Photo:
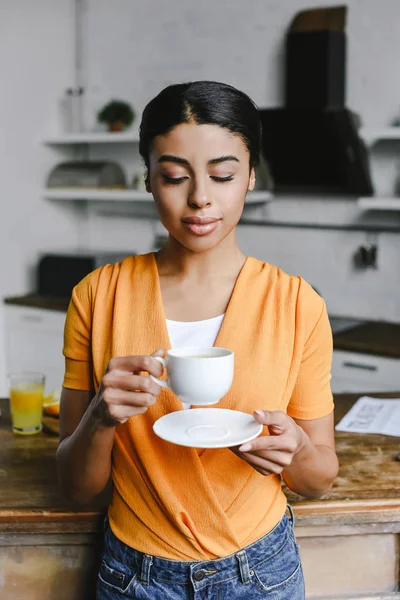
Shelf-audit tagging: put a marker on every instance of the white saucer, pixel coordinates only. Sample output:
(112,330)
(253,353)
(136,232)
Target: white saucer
(207,427)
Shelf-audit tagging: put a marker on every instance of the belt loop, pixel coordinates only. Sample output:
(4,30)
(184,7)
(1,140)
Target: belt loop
(146,566)
(243,566)
(292,519)
(105,524)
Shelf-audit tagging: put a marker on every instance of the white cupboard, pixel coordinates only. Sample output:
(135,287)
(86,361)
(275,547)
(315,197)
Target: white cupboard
(34,341)
(357,372)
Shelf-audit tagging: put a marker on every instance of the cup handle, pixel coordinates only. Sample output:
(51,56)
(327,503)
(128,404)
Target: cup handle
(160,382)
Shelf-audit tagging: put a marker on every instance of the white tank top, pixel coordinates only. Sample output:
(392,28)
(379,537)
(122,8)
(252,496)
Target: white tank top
(194,333)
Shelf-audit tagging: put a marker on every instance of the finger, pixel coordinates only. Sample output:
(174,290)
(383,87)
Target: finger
(160,352)
(265,465)
(281,458)
(130,383)
(276,419)
(136,364)
(112,396)
(284,443)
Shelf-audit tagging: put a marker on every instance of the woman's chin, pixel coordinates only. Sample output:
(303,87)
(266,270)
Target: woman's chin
(203,243)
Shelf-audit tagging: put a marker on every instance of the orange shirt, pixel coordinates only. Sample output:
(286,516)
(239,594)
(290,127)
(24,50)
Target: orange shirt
(183,503)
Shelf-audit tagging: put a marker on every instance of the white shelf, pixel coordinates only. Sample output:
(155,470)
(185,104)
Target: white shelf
(259,197)
(95,194)
(96,137)
(371,203)
(373,135)
(370,135)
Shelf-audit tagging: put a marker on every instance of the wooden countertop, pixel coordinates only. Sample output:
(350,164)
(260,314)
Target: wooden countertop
(36,301)
(30,499)
(366,490)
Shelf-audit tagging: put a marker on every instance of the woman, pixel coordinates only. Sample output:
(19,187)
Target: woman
(183,522)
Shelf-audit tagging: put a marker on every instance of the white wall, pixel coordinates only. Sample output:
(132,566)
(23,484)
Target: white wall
(133,50)
(36,64)
(325,259)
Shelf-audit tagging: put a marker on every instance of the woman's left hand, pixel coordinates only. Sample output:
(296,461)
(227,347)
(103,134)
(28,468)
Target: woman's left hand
(274,452)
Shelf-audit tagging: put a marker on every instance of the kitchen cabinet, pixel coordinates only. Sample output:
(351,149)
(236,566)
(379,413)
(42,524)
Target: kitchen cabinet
(34,341)
(355,371)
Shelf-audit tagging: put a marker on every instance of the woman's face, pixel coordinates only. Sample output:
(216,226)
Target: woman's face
(199,176)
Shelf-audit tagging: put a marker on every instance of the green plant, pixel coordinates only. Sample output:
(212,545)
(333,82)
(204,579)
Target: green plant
(117,111)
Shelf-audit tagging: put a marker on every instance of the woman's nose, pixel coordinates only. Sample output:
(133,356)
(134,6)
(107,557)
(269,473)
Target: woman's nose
(199,196)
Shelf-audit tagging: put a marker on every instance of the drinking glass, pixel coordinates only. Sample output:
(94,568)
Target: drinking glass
(26,401)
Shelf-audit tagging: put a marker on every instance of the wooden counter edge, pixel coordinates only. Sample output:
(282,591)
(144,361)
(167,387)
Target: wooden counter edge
(302,507)
(307,514)
(42,521)
(26,516)
(328,507)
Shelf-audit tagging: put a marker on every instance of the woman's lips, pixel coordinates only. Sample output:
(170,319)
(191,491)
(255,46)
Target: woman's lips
(200,225)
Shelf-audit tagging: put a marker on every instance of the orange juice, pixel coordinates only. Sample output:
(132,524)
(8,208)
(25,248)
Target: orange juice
(26,402)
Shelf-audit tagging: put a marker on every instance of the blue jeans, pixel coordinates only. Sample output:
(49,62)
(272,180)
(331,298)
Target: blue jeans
(269,568)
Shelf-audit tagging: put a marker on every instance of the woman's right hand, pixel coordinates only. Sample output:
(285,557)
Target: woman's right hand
(124,392)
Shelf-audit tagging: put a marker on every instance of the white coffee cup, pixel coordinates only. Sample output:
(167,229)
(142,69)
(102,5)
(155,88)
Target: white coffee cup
(198,376)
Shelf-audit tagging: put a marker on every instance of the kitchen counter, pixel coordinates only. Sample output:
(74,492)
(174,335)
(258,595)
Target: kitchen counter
(36,301)
(367,337)
(356,526)
(30,490)
(371,337)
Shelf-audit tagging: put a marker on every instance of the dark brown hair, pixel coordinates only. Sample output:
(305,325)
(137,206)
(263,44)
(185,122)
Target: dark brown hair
(204,102)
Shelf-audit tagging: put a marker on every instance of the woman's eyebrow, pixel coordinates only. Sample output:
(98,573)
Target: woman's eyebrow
(182,161)
(220,159)
(175,159)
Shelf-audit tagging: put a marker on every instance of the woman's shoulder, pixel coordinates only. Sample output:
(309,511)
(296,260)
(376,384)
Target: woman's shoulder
(273,276)
(105,279)
(293,290)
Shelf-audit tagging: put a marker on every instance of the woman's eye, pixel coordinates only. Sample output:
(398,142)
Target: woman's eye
(175,180)
(221,179)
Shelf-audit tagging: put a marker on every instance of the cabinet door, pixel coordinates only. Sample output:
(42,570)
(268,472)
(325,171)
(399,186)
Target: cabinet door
(35,341)
(355,386)
(353,372)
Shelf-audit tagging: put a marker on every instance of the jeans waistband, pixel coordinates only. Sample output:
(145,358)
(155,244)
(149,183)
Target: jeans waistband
(241,562)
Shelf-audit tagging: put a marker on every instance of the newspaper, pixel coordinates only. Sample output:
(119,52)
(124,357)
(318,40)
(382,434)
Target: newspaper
(372,415)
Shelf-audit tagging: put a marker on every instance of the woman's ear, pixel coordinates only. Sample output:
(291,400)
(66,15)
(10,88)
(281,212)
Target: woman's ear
(147,182)
(252,179)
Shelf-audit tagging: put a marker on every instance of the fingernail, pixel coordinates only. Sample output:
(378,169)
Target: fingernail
(245,448)
(259,413)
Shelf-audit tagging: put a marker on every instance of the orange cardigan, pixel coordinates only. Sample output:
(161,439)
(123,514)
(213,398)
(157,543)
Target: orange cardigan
(182,503)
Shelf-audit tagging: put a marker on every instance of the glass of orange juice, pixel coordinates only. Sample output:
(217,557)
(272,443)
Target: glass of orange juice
(26,401)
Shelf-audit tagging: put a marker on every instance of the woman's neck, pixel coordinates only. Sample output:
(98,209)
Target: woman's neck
(175,259)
